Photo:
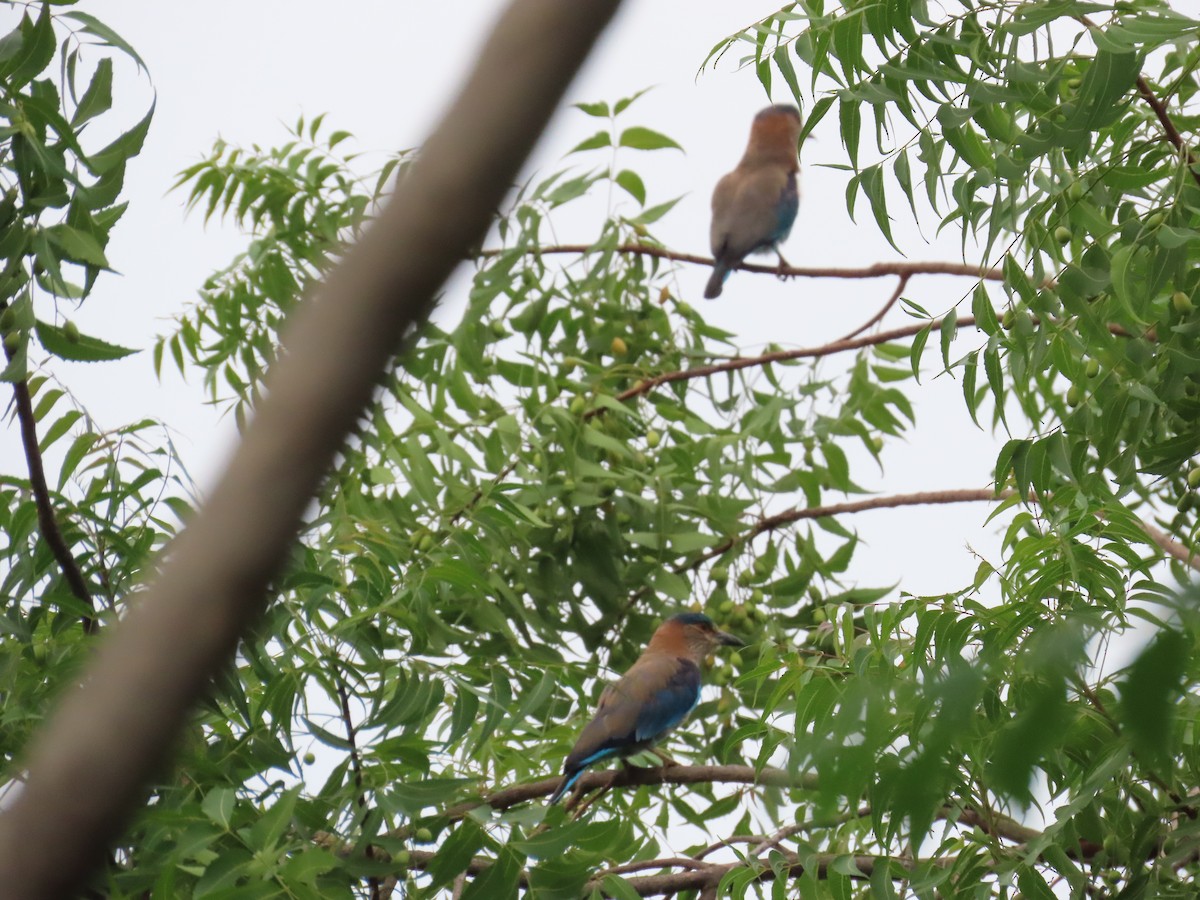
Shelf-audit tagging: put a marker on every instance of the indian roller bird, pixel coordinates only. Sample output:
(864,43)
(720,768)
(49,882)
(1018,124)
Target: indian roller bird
(754,206)
(649,700)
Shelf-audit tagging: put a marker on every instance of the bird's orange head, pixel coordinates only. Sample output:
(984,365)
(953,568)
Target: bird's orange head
(774,137)
(692,636)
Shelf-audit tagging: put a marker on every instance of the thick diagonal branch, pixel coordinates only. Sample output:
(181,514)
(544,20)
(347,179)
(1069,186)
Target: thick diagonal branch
(88,767)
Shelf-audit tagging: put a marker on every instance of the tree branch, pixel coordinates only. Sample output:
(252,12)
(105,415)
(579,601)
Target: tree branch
(796,514)
(746,362)
(1160,111)
(1172,547)
(356,765)
(877,270)
(47,522)
(636,776)
(89,763)
(704,876)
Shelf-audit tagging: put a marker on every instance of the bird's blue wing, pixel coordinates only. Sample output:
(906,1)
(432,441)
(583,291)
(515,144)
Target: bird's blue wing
(789,205)
(651,699)
(667,705)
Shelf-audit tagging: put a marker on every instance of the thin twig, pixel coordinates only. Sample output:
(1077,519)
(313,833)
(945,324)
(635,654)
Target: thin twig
(900,286)
(356,765)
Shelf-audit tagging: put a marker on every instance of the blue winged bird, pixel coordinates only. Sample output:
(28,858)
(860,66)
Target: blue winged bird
(649,700)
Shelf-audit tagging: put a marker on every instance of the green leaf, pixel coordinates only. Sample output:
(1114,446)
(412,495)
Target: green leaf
(1149,695)
(60,427)
(596,110)
(639,138)
(124,148)
(97,98)
(77,246)
(851,125)
(36,50)
(632,183)
(949,329)
(218,805)
(618,888)
(499,880)
(75,347)
(456,852)
(872,184)
(595,142)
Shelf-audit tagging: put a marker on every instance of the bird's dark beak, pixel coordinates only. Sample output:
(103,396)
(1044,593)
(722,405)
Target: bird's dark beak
(725,639)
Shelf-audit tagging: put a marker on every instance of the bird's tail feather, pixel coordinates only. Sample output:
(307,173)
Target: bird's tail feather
(716,281)
(563,786)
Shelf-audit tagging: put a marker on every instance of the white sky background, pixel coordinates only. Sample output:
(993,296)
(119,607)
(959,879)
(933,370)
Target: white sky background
(384,71)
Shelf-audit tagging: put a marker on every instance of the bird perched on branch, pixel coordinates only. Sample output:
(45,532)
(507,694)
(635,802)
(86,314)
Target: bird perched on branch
(754,206)
(649,700)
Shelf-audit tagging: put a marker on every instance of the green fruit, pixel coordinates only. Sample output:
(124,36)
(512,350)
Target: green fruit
(653,438)
(498,329)
(402,857)
(744,578)
(756,597)
(71,332)
(1093,368)
(735,659)
(1186,502)
(1182,302)
(876,443)
(726,608)
(1010,317)
(8,319)
(618,347)
(12,342)
(819,615)
(1074,396)
(720,573)
(1075,191)
(310,758)
(1193,478)
(1154,220)
(577,405)
(423,836)
(1062,234)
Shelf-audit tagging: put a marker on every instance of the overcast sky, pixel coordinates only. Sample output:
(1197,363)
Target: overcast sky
(384,71)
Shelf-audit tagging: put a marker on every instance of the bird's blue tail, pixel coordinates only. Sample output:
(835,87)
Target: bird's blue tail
(565,785)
